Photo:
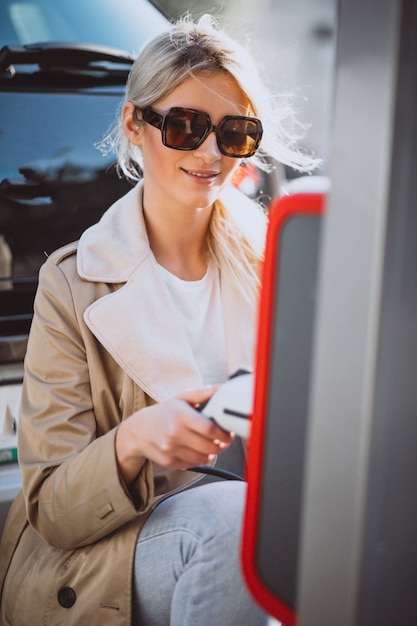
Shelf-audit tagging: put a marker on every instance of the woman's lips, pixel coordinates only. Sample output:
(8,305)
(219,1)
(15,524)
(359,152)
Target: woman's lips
(202,176)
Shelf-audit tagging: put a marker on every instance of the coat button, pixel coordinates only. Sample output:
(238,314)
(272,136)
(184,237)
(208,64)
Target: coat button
(66,597)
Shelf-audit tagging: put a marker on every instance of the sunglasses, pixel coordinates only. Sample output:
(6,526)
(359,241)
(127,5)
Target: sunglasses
(186,129)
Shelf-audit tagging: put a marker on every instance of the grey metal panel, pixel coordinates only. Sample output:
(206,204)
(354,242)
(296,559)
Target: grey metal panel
(388,578)
(348,313)
(286,405)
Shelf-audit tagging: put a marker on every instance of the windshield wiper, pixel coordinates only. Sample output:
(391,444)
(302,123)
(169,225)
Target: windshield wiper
(52,56)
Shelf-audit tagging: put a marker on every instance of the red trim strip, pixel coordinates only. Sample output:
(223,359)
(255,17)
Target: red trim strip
(281,211)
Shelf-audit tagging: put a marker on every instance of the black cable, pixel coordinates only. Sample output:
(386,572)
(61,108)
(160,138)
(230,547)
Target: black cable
(213,471)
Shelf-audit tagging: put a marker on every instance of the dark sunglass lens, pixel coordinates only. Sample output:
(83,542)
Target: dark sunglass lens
(240,137)
(184,128)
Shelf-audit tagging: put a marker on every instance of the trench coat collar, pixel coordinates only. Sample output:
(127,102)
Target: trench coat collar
(137,322)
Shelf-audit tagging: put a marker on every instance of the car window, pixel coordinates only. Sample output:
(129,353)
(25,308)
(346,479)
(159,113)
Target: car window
(124,24)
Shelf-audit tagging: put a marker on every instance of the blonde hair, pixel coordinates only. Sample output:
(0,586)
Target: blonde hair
(236,242)
(187,49)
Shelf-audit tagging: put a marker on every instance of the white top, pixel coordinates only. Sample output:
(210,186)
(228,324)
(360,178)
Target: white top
(199,305)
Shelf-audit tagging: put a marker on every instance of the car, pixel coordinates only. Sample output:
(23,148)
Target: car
(63,67)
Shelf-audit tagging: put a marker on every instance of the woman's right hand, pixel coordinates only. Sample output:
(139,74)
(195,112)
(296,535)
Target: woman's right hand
(172,433)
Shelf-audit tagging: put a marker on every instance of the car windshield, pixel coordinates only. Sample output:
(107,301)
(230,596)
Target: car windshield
(124,24)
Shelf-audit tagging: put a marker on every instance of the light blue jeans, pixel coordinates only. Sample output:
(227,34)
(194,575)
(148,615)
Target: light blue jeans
(187,566)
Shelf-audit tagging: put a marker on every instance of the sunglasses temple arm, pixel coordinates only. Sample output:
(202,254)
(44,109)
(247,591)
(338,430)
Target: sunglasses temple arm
(152,117)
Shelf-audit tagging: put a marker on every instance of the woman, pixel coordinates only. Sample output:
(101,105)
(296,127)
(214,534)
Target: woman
(134,327)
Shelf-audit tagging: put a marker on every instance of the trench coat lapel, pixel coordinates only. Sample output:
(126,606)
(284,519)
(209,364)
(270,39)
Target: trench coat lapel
(138,323)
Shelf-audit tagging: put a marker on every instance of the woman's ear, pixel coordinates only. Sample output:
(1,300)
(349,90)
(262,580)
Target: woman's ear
(132,123)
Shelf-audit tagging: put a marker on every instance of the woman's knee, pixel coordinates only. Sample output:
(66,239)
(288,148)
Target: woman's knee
(222,505)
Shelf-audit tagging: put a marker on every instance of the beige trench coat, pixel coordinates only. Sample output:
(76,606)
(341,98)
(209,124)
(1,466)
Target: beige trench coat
(105,341)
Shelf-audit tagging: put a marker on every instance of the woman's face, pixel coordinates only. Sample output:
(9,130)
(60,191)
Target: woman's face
(191,180)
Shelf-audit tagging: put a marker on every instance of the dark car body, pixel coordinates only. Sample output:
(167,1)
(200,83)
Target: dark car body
(63,67)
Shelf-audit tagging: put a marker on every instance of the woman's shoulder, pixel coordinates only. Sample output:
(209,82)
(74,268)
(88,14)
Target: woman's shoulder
(59,278)
(62,253)
(60,262)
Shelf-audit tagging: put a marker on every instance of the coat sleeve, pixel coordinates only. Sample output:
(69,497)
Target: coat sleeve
(72,489)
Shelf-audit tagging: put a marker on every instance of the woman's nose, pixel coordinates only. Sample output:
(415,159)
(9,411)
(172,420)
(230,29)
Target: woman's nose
(209,150)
